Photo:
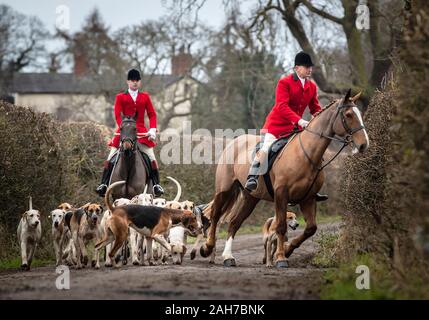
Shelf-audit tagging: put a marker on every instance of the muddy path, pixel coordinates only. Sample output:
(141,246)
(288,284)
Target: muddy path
(195,279)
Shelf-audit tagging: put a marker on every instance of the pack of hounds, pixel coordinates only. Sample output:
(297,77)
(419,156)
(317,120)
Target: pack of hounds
(146,229)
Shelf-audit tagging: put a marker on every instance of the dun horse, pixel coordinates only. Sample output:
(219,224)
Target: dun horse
(296,177)
(130,165)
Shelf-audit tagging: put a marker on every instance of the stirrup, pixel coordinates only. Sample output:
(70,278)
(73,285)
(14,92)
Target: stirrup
(251,183)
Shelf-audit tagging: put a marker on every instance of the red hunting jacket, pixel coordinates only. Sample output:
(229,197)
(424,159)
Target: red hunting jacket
(291,101)
(125,104)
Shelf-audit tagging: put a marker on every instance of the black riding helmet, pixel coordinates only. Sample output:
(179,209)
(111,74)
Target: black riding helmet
(133,74)
(303,59)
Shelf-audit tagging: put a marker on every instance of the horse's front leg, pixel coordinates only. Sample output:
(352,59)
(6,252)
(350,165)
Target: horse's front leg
(219,202)
(308,209)
(281,202)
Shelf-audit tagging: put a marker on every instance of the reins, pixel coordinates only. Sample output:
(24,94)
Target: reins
(345,141)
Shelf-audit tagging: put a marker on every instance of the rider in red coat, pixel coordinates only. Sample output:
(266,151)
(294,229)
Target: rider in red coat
(293,94)
(129,103)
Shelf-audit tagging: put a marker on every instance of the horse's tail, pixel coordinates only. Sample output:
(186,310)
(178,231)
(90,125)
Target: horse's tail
(179,188)
(228,213)
(109,191)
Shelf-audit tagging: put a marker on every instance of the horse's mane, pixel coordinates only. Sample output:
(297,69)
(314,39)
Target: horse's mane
(316,115)
(330,104)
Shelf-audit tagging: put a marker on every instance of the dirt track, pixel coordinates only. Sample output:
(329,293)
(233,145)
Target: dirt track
(192,280)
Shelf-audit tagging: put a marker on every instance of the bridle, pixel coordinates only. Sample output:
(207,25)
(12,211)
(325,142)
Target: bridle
(350,131)
(128,139)
(345,141)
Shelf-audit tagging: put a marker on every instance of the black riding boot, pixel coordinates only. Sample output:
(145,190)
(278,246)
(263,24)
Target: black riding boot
(252,178)
(102,188)
(157,189)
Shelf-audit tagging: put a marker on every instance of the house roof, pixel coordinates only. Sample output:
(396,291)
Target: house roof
(70,83)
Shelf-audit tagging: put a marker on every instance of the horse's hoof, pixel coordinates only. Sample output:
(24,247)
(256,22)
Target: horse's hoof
(229,262)
(204,251)
(108,265)
(25,267)
(136,263)
(193,254)
(124,262)
(282,264)
(93,263)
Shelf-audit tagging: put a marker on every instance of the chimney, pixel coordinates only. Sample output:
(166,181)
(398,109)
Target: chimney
(181,63)
(80,63)
(80,58)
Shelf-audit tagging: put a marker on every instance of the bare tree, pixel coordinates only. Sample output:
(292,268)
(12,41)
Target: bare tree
(146,46)
(21,44)
(94,47)
(241,72)
(367,52)
(150,46)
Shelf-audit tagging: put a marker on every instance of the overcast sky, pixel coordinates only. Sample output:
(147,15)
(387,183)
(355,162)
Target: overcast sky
(115,13)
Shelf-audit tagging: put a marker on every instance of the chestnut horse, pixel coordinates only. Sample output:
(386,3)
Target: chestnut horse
(296,175)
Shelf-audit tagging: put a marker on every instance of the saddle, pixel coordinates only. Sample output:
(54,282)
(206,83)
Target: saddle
(273,153)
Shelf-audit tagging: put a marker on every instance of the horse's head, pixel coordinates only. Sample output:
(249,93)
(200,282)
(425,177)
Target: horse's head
(128,132)
(349,122)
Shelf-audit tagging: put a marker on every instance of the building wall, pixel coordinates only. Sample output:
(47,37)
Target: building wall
(84,107)
(76,107)
(178,95)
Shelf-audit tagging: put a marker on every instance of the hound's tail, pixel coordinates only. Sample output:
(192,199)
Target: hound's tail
(267,225)
(179,188)
(109,191)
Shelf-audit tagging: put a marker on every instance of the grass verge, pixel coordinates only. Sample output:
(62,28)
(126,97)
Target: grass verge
(15,263)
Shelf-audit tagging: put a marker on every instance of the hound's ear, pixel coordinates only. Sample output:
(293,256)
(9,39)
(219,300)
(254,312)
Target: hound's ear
(85,207)
(24,214)
(356,97)
(348,94)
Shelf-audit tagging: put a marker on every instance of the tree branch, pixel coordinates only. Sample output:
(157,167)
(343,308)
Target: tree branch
(320,12)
